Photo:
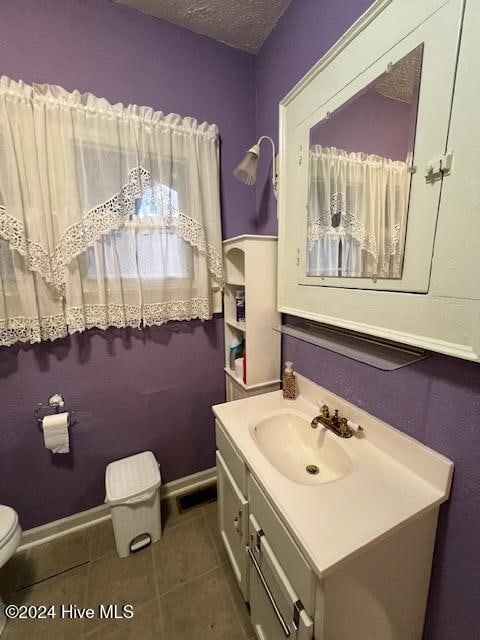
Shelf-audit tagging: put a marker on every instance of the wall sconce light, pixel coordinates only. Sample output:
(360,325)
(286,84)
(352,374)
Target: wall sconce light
(246,171)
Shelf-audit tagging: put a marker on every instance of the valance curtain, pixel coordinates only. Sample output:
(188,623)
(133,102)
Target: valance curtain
(109,215)
(357,214)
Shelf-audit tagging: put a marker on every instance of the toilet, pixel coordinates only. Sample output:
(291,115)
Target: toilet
(10,535)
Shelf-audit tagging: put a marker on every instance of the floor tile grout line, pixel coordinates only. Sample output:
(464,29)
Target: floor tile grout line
(54,575)
(179,523)
(212,540)
(22,572)
(188,582)
(87,583)
(229,595)
(226,566)
(168,623)
(202,518)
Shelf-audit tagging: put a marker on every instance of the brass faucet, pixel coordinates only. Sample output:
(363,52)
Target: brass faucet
(334,423)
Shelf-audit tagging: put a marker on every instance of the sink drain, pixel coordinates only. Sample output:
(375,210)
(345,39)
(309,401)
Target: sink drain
(312,469)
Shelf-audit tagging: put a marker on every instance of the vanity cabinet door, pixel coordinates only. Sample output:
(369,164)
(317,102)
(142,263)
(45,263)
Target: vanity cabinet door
(364,130)
(233,523)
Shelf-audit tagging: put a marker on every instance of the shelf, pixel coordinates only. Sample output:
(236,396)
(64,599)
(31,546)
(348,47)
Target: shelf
(232,375)
(248,387)
(245,258)
(234,259)
(249,236)
(240,326)
(367,349)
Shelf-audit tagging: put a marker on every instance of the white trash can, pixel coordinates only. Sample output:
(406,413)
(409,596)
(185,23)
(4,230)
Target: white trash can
(133,492)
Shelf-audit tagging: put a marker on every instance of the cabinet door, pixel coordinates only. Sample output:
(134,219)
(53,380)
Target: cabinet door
(440,249)
(332,92)
(233,523)
(276,611)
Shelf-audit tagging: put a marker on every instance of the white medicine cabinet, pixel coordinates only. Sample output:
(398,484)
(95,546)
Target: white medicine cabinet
(380,190)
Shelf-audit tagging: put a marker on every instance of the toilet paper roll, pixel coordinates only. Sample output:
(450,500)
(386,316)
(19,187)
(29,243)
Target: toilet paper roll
(55,432)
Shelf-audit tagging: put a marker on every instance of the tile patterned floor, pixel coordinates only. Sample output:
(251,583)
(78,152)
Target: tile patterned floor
(181,588)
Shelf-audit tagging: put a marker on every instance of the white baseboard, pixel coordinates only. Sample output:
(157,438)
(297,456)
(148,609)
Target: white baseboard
(189,483)
(58,528)
(84,519)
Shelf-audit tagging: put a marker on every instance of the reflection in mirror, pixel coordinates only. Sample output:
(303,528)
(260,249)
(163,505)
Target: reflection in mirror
(360,169)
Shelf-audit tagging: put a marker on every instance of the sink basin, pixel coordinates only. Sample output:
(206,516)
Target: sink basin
(302,454)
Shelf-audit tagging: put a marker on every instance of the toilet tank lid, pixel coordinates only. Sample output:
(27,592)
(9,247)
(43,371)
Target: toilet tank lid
(132,477)
(8,521)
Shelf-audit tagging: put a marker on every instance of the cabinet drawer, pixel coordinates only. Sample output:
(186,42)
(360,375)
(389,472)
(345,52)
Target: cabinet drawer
(283,546)
(276,610)
(232,458)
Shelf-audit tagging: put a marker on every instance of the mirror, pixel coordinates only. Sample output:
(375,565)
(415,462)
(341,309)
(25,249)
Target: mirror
(360,168)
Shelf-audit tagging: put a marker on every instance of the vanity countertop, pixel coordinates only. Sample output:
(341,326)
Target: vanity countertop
(396,478)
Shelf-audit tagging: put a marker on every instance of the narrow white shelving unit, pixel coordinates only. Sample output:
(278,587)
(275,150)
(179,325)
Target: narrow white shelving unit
(251,267)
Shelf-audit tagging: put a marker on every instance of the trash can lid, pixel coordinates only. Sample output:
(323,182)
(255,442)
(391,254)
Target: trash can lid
(130,477)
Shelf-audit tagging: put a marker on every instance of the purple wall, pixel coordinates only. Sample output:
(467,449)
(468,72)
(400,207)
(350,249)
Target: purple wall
(126,56)
(304,33)
(372,124)
(131,390)
(153,389)
(436,401)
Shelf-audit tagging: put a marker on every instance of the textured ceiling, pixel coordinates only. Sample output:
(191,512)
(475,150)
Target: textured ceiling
(402,81)
(244,25)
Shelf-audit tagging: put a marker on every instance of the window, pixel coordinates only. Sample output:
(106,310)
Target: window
(130,233)
(146,245)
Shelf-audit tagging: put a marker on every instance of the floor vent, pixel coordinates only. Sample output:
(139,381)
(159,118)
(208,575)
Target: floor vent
(195,499)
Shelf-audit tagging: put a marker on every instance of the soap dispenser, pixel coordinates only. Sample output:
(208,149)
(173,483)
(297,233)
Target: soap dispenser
(289,385)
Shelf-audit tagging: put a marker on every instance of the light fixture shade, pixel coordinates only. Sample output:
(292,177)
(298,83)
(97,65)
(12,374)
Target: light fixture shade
(246,171)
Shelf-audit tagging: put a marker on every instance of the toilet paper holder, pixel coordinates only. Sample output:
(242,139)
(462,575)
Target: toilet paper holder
(55,402)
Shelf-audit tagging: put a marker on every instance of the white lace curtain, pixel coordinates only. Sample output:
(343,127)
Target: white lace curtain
(109,215)
(357,214)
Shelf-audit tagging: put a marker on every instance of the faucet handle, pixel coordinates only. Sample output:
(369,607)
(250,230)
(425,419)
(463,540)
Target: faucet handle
(324,410)
(344,428)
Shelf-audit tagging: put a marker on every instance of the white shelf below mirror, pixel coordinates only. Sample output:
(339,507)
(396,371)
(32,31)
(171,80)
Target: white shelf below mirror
(377,353)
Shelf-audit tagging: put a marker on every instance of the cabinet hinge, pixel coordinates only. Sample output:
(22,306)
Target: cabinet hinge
(298,257)
(439,167)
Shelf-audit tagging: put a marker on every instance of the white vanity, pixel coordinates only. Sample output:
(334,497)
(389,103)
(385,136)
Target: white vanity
(343,552)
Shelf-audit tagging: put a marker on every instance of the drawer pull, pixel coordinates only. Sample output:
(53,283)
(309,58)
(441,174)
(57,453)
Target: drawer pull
(278,613)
